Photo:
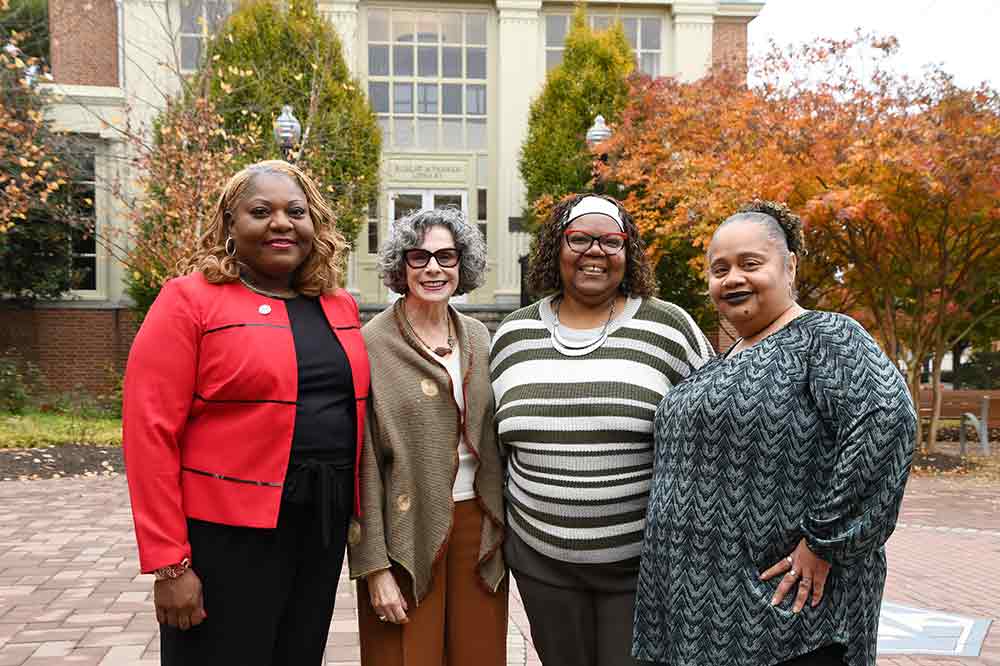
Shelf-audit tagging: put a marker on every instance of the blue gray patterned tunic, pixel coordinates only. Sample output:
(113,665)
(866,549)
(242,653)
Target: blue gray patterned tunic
(809,433)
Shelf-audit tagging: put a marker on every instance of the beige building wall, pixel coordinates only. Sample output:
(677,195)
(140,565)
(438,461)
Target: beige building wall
(149,48)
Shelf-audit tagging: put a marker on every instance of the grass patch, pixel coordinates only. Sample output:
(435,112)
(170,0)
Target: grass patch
(34,429)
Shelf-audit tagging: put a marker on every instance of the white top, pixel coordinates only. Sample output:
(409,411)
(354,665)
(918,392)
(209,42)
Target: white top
(467,462)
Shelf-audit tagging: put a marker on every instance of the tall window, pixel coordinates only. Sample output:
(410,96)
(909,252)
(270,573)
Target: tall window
(481,211)
(642,33)
(83,193)
(199,21)
(373,227)
(427,74)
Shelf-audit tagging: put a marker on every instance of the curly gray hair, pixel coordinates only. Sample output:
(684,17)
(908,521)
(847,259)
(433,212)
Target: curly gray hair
(408,233)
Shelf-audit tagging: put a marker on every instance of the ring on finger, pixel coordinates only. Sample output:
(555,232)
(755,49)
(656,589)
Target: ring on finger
(793,573)
(381,618)
(806,581)
(789,560)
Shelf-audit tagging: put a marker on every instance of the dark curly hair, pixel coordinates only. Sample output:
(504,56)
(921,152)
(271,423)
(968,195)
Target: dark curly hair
(782,224)
(543,267)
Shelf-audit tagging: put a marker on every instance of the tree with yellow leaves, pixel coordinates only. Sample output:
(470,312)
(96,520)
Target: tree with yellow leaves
(268,53)
(39,214)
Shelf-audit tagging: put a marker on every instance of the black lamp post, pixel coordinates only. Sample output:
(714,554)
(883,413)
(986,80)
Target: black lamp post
(287,132)
(597,133)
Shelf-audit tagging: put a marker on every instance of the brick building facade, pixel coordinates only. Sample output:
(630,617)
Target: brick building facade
(84,42)
(114,59)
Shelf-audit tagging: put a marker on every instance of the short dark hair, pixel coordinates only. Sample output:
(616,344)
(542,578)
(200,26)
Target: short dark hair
(782,224)
(543,267)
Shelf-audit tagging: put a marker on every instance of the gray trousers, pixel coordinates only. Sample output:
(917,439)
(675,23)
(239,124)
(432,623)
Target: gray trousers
(578,627)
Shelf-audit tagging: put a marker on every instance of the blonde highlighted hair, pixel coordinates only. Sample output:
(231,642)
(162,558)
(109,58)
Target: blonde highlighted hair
(319,273)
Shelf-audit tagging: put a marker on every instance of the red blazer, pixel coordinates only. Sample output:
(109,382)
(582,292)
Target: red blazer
(209,409)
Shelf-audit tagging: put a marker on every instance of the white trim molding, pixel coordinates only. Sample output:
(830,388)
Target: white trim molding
(748,10)
(86,109)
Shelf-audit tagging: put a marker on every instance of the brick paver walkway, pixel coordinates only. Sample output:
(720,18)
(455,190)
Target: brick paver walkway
(69,593)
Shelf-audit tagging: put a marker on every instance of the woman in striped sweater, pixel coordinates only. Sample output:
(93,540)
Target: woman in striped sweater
(577,378)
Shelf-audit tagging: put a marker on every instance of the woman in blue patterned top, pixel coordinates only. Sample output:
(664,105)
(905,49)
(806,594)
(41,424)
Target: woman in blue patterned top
(778,475)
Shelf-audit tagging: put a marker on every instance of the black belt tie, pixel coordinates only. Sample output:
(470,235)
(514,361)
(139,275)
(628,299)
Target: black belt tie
(323,484)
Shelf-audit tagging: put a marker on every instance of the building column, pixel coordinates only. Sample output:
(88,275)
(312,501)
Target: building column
(343,15)
(518,83)
(693,23)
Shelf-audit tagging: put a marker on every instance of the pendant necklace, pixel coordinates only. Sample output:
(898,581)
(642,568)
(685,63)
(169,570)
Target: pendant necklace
(440,350)
(567,348)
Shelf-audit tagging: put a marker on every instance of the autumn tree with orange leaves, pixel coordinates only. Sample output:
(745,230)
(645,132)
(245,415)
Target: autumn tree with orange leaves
(897,180)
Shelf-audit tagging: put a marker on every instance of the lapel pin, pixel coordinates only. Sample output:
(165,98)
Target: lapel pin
(264,309)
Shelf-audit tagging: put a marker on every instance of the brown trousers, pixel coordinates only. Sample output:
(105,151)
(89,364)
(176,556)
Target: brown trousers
(460,622)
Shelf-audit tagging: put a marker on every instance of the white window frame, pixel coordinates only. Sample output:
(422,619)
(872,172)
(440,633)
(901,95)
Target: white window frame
(204,25)
(388,118)
(611,16)
(96,257)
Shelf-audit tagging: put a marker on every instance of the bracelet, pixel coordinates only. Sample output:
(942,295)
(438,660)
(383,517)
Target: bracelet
(173,571)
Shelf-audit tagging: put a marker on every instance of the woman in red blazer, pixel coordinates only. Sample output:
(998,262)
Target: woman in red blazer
(243,417)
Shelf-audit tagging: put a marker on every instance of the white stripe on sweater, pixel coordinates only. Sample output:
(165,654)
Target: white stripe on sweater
(559,371)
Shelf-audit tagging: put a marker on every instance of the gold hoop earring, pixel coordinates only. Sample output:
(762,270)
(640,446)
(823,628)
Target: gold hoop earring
(231,253)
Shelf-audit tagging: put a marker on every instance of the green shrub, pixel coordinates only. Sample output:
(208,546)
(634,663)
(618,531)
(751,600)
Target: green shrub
(18,378)
(110,400)
(981,371)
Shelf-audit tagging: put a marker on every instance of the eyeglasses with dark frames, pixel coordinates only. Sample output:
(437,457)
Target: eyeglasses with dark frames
(446,257)
(581,242)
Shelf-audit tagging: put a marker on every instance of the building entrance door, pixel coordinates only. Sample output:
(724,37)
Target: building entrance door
(404,202)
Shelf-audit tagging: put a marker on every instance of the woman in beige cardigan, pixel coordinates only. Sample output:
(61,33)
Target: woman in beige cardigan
(426,548)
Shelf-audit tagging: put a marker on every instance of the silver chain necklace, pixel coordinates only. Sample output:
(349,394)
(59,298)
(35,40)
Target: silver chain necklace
(567,348)
(264,292)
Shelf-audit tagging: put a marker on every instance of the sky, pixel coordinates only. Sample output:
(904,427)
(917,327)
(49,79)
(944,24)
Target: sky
(963,35)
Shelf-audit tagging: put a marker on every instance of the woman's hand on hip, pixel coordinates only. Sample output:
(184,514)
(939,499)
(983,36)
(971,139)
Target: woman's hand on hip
(802,569)
(179,601)
(387,600)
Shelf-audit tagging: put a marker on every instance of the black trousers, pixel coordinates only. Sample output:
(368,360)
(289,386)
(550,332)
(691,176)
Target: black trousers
(269,594)
(578,627)
(829,655)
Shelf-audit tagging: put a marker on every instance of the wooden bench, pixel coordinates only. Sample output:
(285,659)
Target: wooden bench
(956,403)
(981,409)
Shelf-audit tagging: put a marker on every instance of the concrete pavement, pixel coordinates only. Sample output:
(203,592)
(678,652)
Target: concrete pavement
(70,592)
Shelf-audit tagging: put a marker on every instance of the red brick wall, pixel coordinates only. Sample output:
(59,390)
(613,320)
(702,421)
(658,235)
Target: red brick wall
(84,42)
(722,337)
(74,348)
(87,348)
(729,41)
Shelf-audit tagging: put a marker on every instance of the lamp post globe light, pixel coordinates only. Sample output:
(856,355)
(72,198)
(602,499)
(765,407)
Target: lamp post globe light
(598,132)
(287,131)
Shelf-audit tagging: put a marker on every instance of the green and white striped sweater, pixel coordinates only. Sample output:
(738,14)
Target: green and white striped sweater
(578,431)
